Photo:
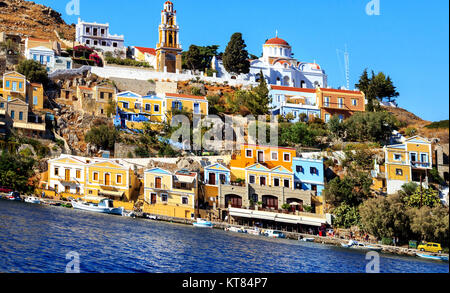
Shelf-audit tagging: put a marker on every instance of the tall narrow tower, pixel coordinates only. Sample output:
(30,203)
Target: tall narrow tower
(168,49)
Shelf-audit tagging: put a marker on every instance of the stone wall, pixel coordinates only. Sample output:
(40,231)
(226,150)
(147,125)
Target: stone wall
(122,150)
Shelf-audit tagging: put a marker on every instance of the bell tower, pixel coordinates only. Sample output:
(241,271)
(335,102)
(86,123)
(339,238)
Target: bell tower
(168,49)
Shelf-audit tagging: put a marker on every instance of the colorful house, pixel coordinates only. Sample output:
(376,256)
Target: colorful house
(67,174)
(170,194)
(343,103)
(194,104)
(409,161)
(145,55)
(294,101)
(114,179)
(309,174)
(268,156)
(214,175)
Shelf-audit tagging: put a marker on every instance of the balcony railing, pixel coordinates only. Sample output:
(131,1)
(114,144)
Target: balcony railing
(158,186)
(420,164)
(331,105)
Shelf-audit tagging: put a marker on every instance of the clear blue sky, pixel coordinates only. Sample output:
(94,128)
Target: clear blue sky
(409,40)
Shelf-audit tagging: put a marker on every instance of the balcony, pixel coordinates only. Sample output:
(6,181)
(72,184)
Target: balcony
(159,186)
(69,180)
(335,106)
(420,165)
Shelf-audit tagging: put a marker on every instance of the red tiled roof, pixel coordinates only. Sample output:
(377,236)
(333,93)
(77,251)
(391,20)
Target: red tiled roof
(277,41)
(85,88)
(292,89)
(340,91)
(150,51)
(186,96)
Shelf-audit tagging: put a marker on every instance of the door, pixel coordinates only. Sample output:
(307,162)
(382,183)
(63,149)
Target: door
(212,178)
(157,182)
(223,178)
(14,86)
(260,156)
(196,108)
(153,198)
(262,181)
(107,179)
(67,174)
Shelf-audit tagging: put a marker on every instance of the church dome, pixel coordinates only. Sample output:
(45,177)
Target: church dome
(277,41)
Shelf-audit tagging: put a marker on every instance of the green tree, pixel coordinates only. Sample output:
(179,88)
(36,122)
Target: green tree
(431,224)
(33,71)
(15,171)
(385,217)
(370,126)
(198,57)
(351,190)
(235,57)
(423,197)
(346,216)
(298,133)
(111,108)
(376,88)
(103,136)
(336,127)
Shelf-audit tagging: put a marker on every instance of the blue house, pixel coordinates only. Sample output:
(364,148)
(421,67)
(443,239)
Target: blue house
(309,174)
(217,173)
(295,101)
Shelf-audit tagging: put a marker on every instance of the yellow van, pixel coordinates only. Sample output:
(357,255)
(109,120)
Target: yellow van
(430,247)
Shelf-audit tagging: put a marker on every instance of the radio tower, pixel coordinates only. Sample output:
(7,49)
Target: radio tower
(347,64)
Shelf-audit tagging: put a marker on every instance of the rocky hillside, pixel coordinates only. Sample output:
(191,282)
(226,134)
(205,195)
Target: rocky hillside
(409,120)
(29,19)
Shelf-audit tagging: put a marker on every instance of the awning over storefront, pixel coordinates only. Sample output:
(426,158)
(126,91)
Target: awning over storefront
(111,193)
(277,217)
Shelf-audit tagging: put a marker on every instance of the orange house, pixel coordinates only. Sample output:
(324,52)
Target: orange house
(343,103)
(268,156)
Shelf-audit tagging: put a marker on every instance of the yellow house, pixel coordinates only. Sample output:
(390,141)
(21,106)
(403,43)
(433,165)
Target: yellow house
(170,194)
(129,102)
(406,162)
(152,106)
(277,177)
(94,101)
(16,86)
(193,104)
(113,179)
(67,174)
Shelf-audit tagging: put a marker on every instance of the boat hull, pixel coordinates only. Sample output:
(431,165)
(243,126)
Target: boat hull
(97,209)
(199,225)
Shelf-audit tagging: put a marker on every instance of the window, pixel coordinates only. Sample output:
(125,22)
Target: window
(327,118)
(249,153)
(314,170)
(148,107)
(397,157)
(274,156)
(354,102)
(48,59)
(67,189)
(252,179)
(56,171)
(95,176)
(287,183)
(276,182)
(299,169)
(115,45)
(35,100)
(20,115)
(413,157)
(102,95)
(95,43)
(103,31)
(399,172)
(12,114)
(20,85)
(77,190)
(7,84)
(341,103)
(88,42)
(184,200)
(156,108)
(101,111)
(78,173)
(196,108)
(326,101)
(104,43)
(287,157)
(125,105)
(164,197)
(2,105)
(424,158)
(119,179)
(88,30)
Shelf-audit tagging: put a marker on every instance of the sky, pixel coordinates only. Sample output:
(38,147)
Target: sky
(407,40)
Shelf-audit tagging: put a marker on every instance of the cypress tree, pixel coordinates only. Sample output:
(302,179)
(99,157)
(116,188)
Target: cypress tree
(235,57)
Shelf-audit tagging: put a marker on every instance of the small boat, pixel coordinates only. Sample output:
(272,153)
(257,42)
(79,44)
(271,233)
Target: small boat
(201,223)
(66,205)
(358,245)
(151,217)
(274,234)
(254,231)
(306,239)
(130,214)
(236,229)
(105,206)
(32,199)
(13,196)
(433,257)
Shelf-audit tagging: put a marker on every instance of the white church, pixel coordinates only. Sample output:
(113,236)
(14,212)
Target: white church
(279,68)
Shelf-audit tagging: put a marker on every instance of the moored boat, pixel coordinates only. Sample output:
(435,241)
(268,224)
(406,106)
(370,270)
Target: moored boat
(254,231)
(236,229)
(358,245)
(32,199)
(274,234)
(432,257)
(105,206)
(201,223)
(306,239)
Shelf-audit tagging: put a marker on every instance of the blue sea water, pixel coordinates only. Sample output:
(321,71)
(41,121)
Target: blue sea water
(36,239)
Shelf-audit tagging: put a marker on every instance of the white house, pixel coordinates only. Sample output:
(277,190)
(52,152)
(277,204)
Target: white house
(96,35)
(43,55)
(279,68)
